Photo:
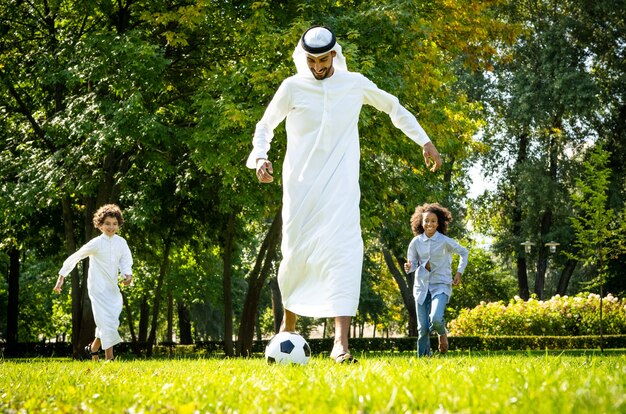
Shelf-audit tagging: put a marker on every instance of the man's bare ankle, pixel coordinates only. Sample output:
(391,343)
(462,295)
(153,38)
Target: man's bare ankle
(284,328)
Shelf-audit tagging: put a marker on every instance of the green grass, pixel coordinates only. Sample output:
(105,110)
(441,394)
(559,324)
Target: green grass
(573,382)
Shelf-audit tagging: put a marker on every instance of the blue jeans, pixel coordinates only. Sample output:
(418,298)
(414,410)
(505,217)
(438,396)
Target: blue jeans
(430,318)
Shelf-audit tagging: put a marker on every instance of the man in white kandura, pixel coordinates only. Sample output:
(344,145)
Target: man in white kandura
(322,248)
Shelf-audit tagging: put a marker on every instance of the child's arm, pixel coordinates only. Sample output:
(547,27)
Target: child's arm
(70,263)
(412,258)
(57,287)
(126,264)
(463,255)
(127,280)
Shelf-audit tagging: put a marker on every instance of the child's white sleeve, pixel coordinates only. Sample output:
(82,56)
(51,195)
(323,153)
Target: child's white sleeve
(70,263)
(126,261)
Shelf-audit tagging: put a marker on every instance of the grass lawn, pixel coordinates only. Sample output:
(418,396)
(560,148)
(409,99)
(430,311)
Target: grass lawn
(460,382)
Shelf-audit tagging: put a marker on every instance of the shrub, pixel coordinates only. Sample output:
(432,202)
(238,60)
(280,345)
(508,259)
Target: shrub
(559,316)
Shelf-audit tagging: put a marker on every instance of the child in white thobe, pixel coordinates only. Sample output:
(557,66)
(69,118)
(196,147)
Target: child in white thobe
(109,257)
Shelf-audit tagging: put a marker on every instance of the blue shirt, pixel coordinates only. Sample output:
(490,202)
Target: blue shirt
(438,251)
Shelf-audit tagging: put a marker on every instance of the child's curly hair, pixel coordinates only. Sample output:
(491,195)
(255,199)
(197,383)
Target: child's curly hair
(444,217)
(107,210)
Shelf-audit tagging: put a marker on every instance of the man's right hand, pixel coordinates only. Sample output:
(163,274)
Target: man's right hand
(431,156)
(264,170)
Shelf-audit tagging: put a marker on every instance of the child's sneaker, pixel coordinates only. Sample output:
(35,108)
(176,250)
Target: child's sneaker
(443,343)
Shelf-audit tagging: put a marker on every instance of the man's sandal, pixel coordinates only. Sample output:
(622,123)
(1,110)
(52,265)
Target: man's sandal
(345,358)
(89,352)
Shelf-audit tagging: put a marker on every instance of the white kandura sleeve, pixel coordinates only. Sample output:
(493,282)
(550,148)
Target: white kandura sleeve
(70,263)
(275,113)
(126,261)
(400,116)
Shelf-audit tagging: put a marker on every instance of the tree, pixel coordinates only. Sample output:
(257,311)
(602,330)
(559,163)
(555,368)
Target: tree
(483,280)
(599,229)
(541,98)
(601,26)
(75,87)
(256,281)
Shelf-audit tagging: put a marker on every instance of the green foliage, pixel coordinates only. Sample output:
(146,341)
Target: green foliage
(567,316)
(153,105)
(544,103)
(599,230)
(483,281)
(39,319)
(537,343)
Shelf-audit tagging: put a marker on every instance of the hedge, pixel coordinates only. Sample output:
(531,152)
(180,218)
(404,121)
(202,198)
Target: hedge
(323,346)
(577,315)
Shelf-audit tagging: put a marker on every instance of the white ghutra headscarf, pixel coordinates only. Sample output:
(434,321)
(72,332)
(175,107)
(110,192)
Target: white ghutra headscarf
(317,41)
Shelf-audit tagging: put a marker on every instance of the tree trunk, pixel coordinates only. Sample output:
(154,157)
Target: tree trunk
(14,295)
(522,271)
(405,284)
(277,304)
(169,336)
(229,238)
(522,278)
(256,280)
(87,323)
(257,328)
(77,293)
(131,325)
(184,324)
(566,275)
(546,219)
(542,255)
(144,319)
(167,245)
(516,219)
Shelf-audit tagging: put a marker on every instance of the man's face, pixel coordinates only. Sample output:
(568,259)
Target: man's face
(321,66)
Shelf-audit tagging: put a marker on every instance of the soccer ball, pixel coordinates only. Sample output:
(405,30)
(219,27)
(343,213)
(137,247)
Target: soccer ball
(287,348)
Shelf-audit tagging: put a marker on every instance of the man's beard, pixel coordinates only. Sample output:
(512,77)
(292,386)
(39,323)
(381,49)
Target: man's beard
(326,74)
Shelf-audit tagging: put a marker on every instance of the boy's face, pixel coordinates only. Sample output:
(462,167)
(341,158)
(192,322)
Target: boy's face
(110,226)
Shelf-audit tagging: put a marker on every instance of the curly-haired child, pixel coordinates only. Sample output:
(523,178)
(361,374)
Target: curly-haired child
(430,256)
(110,257)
